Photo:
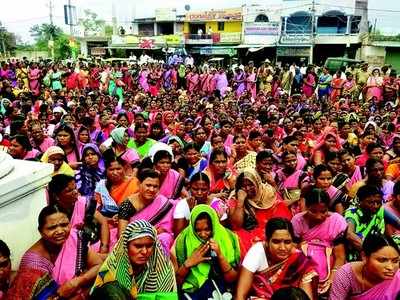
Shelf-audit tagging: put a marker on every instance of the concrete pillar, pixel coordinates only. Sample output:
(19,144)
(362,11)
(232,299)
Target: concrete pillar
(84,48)
(315,29)
(284,25)
(155,28)
(348,25)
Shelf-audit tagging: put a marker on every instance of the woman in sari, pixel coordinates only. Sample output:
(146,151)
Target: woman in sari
(6,275)
(171,182)
(200,138)
(20,148)
(354,172)
(205,255)
(324,83)
(273,264)
(241,157)
(290,181)
(221,177)
(328,142)
(138,264)
(194,161)
(349,87)
(251,80)
(56,156)
(36,278)
(322,236)
(116,187)
(363,219)
(392,214)
(199,193)
(239,82)
(339,179)
(141,143)
(323,176)
(309,82)
(251,206)
(34,76)
(374,87)
(148,204)
(65,139)
(376,277)
(120,139)
(91,171)
(337,86)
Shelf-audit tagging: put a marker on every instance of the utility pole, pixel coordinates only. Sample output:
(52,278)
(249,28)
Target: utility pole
(71,26)
(51,42)
(312,37)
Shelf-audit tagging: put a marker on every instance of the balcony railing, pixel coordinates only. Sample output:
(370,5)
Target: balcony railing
(213,38)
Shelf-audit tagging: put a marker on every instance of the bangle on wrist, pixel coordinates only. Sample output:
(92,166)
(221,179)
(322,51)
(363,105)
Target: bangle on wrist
(227,271)
(185,265)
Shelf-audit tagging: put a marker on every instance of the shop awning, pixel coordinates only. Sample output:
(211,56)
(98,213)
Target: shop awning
(250,46)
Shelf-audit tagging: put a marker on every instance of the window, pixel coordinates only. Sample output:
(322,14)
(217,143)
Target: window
(221,26)
(261,18)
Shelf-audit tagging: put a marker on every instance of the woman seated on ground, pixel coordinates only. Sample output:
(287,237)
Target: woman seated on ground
(392,214)
(6,275)
(273,264)
(322,235)
(340,179)
(363,219)
(193,162)
(338,201)
(222,178)
(147,204)
(199,191)
(251,206)
(56,156)
(120,139)
(91,171)
(20,148)
(205,255)
(138,264)
(375,277)
(171,182)
(35,277)
(241,157)
(116,187)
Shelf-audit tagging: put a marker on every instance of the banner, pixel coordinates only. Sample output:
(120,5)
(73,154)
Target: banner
(218,51)
(165,14)
(261,28)
(233,14)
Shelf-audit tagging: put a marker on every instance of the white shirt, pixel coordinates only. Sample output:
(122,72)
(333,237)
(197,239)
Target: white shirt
(255,259)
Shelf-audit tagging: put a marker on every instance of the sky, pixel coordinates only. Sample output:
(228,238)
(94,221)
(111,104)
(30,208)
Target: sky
(20,15)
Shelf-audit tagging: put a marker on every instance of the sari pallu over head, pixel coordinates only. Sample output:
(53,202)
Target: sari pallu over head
(158,275)
(188,241)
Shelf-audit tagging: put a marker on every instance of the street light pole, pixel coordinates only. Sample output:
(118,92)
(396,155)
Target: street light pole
(312,32)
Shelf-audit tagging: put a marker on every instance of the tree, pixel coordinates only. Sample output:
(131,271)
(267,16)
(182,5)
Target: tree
(91,24)
(7,40)
(44,33)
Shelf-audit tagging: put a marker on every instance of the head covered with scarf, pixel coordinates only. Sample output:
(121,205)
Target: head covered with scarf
(158,274)
(118,134)
(64,168)
(188,241)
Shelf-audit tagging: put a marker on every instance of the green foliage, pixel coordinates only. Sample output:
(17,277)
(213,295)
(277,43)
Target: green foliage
(108,30)
(91,24)
(7,40)
(43,34)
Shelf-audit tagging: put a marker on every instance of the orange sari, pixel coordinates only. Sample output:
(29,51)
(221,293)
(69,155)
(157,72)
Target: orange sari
(125,189)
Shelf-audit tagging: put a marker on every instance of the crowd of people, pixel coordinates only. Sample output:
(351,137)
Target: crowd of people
(192,181)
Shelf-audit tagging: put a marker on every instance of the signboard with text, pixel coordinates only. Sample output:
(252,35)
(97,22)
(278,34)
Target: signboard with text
(223,15)
(165,14)
(261,28)
(293,51)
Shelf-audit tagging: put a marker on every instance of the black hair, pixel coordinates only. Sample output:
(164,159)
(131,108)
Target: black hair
(139,126)
(204,216)
(23,140)
(217,152)
(368,190)
(161,154)
(332,155)
(370,163)
(316,196)
(16,126)
(200,176)
(396,188)
(147,173)
(224,122)
(319,169)
(263,154)
(288,139)
(275,224)
(375,241)
(191,146)
(290,293)
(344,152)
(109,157)
(48,211)
(372,146)
(4,250)
(58,183)
(254,134)
(285,154)
(238,136)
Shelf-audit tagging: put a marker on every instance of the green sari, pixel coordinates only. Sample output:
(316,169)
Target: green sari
(142,150)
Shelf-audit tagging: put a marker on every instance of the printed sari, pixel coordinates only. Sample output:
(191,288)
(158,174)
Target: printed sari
(386,290)
(172,185)
(293,271)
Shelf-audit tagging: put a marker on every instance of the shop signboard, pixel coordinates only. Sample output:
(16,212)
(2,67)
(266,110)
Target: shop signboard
(223,15)
(229,37)
(261,28)
(165,14)
(293,51)
(218,51)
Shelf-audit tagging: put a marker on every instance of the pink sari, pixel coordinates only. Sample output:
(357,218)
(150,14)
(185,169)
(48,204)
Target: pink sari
(171,185)
(65,264)
(386,290)
(357,176)
(319,240)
